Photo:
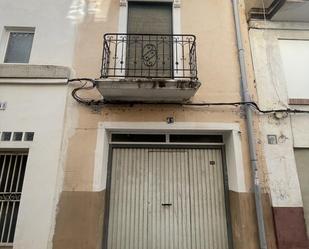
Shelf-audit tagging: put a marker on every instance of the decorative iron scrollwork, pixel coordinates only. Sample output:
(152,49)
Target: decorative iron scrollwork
(150,55)
(10,197)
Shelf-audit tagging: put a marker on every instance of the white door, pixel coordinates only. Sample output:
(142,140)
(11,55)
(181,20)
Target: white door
(167,198)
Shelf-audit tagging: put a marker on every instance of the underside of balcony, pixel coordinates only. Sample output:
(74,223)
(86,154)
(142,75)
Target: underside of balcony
(147,90)
(279,10)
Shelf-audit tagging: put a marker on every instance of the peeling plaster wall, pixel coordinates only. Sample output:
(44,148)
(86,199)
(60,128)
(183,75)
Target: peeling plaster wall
(291,130)
(39,109)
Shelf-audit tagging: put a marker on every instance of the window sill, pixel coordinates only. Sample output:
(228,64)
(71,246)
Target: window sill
(19,70)
(298,101)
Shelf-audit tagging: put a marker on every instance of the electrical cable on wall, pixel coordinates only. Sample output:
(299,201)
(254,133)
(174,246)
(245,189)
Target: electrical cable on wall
(84,87)
(92,102)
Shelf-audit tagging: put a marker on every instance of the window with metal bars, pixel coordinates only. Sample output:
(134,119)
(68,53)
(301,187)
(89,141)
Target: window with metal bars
(12,172)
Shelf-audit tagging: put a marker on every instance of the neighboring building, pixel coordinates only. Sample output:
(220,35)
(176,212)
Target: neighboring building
(36,47)
(279,38)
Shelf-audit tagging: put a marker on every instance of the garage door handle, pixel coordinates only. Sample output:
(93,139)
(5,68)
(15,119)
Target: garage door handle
(166,204)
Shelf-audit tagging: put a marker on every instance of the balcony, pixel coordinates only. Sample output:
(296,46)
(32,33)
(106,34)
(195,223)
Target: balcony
(279,10)
(148,68)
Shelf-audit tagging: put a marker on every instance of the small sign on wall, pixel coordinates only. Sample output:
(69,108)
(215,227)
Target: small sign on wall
(272,139)
(3,105)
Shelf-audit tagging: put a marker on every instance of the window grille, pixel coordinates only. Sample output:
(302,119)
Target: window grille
(12,172)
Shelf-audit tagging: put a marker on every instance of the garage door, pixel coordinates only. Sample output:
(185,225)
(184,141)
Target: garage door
(167,198)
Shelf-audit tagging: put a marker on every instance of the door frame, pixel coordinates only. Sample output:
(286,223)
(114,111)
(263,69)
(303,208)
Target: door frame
(176,22)
(167,146)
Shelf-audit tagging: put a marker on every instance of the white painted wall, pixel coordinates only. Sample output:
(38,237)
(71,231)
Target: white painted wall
(295,61)
(270,50)
(300,129)
(282,172)
(54,34)
(38,108)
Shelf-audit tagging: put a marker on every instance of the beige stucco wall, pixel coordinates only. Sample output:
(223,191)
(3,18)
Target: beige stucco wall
(218,70)
(217,65)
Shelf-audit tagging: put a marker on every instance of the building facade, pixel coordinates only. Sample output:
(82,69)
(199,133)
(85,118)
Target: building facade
(37,44)
(128,124)
(280,47)
(122,155)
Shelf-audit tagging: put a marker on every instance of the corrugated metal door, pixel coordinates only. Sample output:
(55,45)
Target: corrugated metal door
(208,216)
(167,198)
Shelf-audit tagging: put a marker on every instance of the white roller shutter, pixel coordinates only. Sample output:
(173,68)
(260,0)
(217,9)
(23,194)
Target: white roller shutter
(167,198)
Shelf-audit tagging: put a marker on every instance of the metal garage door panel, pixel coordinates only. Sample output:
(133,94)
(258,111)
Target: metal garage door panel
(169,209)
(128,203)
(191,180)
(208,215)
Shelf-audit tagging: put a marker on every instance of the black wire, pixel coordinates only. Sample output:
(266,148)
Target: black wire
(79,99)
(252,104)
(287,110)
(104,102)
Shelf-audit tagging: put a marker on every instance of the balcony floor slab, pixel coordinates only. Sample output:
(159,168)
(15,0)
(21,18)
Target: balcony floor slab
(147,90)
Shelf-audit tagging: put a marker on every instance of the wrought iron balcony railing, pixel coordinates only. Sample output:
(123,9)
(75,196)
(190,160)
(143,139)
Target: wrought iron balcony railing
(149,56)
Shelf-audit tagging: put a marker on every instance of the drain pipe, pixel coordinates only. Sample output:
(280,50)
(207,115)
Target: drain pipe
(250,133)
